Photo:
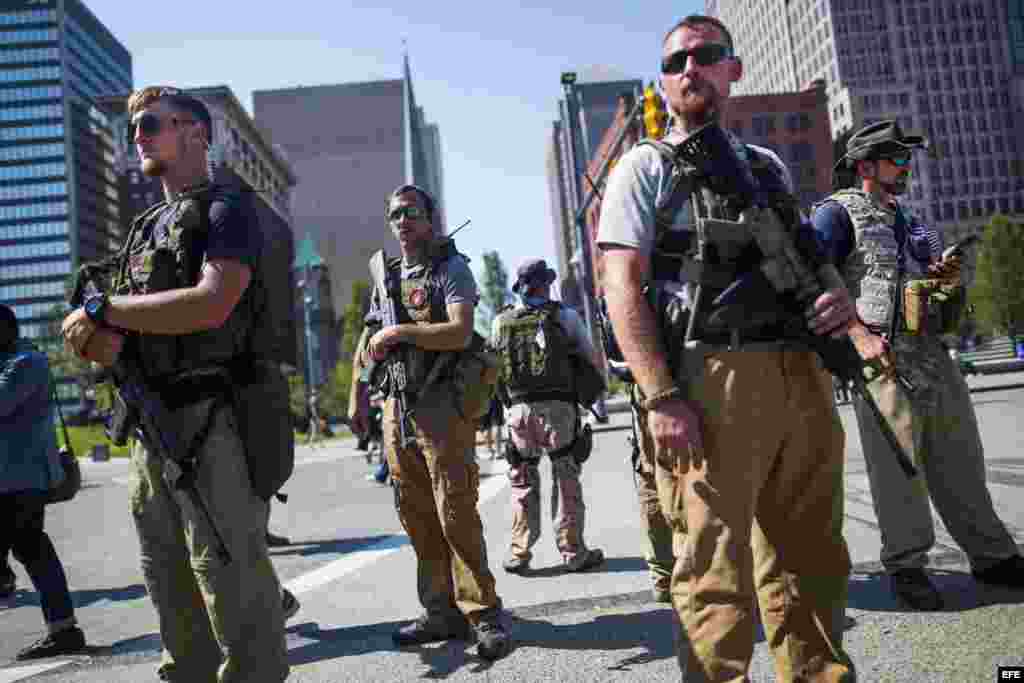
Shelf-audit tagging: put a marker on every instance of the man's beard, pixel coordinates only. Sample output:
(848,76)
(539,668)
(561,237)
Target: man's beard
(699,103)
(897,187)
(153,168)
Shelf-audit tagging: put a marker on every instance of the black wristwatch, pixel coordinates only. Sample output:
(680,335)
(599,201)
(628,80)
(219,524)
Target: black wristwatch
(96,309)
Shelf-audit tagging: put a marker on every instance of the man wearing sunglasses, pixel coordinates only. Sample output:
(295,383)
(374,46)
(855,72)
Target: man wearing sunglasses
(907,296)
(746,441)
(182,308)
(436,477)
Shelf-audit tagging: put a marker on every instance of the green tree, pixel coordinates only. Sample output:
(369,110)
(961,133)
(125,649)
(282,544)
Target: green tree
(353,318)
(998,292)
(494,292)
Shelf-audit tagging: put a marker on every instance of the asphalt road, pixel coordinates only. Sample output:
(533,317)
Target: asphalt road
(353,571)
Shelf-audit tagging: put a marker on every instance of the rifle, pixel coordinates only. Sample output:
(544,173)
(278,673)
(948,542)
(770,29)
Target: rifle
(388,291)
(771,216)
(141,406)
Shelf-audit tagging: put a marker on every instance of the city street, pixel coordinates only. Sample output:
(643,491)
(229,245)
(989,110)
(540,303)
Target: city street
(353,570)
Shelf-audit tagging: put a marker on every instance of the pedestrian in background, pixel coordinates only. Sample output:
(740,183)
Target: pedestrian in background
(29,468)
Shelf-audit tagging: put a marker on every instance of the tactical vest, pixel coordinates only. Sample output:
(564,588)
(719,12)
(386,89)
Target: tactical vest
(873,271)
(422,302)
(165,250)
(731,254)
(535,351)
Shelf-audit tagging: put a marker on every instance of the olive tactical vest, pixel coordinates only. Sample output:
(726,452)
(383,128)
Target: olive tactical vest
(535,353)
(422,302)
(165,250)
(873,271)
(730,254)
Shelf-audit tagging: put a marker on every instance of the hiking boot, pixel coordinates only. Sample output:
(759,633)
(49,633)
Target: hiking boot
(915,589)
(492,639)
(516,565)
(431,629)
(584,561)
(662,595)
(67,641)
(289,604)
(1008,573)
(275,541)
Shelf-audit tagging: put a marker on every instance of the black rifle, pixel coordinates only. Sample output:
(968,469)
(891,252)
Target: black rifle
(388,293)
(774,221)
(145,408)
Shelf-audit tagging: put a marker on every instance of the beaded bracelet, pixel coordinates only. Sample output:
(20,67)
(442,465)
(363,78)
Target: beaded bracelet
(659,397)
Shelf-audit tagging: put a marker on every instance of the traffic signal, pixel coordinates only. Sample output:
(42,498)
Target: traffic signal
(655,116)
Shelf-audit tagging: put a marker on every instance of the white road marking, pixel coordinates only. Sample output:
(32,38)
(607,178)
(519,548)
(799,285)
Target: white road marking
(333,571)
(18,673)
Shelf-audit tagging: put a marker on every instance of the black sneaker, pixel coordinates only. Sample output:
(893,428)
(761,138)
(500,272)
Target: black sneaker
(289,604)
(492,639)
(64,642)
(516,565)
(275,541)
(431,629)
(915,589)
(1008,573)
(588,560)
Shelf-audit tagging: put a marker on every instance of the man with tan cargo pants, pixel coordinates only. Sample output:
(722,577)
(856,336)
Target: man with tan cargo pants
(742,422)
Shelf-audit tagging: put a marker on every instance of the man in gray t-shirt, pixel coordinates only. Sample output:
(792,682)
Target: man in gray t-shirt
(434,473)
(739,431)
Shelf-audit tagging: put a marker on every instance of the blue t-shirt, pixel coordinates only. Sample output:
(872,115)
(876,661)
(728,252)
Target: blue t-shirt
(835,231)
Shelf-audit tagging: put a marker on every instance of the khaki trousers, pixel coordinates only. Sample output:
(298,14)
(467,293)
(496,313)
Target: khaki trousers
(939,431)
(773,454)
(657,538)
(436,481)
(535,429)
(218,622)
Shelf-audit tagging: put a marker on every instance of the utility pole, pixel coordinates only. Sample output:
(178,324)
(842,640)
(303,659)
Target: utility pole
(572,129)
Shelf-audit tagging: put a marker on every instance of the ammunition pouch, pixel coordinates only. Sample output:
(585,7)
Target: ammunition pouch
(932,307)
(475,377)
(123,421)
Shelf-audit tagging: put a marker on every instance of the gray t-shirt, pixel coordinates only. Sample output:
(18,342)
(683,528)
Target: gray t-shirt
(639,183)
(454,278)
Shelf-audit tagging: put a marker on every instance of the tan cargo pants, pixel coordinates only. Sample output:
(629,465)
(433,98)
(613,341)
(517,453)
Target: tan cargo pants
(218,622)
(773,453)
(535,429)
(436,481)
(939,431)
(657,538)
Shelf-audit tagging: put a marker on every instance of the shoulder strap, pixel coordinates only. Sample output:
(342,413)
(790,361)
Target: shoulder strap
(665,211)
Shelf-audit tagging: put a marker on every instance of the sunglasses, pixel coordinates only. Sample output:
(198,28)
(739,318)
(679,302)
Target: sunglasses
(703,55)
(899,162)
(150,125)
(413,213)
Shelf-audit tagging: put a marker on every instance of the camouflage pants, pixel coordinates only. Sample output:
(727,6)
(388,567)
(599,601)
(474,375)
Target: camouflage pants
(436,481)
(939,430)
(536,428)
(757,522)
(218,622)
(657,538)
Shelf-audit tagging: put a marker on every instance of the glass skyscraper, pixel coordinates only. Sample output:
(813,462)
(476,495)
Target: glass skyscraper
(58,186)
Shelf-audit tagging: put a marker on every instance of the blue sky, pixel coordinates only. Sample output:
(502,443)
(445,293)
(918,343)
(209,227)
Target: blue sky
(487,73)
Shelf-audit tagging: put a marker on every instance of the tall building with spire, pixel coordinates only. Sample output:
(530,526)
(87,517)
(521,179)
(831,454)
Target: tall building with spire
(350,145)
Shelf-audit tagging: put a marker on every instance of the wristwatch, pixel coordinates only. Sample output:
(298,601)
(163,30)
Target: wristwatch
(96,308)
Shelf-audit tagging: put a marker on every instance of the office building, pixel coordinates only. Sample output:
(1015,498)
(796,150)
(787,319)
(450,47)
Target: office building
(942,68)
(350,145)
(58,187)
(596,91)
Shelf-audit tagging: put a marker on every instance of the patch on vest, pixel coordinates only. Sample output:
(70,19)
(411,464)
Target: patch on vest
(418,298)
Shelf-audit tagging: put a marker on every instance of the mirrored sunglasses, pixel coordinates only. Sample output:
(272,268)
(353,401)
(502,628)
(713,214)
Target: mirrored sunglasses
(413,213)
